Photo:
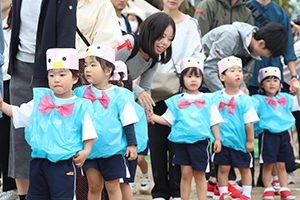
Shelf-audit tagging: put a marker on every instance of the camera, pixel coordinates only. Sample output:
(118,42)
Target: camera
(297,20)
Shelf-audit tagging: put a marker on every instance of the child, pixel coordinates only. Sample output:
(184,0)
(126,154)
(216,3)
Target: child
(122,79)
(114,115)
(274,110)
(59,129)
(237,134)
(193,117)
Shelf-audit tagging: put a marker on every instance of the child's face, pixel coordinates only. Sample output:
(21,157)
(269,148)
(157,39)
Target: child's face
(94,73)
(233,76)
(164,42)
(192,81)
(61,82)
(271,85)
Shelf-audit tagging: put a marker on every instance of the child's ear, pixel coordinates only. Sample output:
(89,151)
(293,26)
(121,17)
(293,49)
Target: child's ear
(75,80)
(108,71)
(222,77)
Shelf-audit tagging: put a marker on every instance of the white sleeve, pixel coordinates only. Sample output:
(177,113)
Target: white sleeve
(296,106)
(128,115)
(169,116)
(88,129)
(21,116)
(215,116)
(251,116)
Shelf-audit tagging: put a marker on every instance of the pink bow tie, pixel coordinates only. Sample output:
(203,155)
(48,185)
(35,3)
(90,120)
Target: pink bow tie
(89,94)
(282,101)
(184,103)
(230,106)
(47,105)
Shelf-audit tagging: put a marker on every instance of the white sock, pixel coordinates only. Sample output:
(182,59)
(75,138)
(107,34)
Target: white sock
(274,178)
(223,189)
(247,190)
(269,189)
(284,188)
(145,175)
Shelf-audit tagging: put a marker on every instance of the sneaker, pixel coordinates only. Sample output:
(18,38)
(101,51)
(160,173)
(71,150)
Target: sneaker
(286,195)
(244,197)
(291,178)
(133,188)
(9,195)
(233,193)
(276,186)
(225,196)
(268,195)
(210,189)
(145,183)
(236,185)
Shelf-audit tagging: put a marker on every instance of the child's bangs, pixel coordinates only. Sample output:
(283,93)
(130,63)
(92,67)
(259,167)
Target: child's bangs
(193,71)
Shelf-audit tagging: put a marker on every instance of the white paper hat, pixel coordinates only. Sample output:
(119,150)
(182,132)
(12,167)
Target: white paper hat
(191,62)
(268,71)
(227,62)
(62,58)
(101,51)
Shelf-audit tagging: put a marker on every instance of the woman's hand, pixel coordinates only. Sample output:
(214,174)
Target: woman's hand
(145,99)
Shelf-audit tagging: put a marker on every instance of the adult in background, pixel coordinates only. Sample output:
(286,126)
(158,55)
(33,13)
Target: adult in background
(119,5)
(9,185)
(214,13)
(187,43)
(44,24)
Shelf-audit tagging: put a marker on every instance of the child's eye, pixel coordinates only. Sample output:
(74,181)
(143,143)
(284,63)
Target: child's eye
(85,66)
(51,75)
(198,76)
(93,65)
(62,74)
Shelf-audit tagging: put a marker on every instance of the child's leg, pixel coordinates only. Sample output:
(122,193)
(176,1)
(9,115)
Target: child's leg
(223,178)
(266,174)
(246,180)
(126,191)
(186,179)
(113,189)
(95,181)
(142,164)
(201,185)
(282,175)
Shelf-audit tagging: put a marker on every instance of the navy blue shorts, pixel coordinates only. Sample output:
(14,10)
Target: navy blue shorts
(50,180)
(232,157)
(196,155)
(132,169)
(111,168)
(145,152)
(275,147)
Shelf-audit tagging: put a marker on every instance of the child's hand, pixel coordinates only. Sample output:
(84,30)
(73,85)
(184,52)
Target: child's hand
(131,151)
(217,146)
(80,157)
(295,84)
(149,114)
(249,146)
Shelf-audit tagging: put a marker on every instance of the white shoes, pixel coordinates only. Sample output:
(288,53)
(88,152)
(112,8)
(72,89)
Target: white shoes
(133,188)
(291,178)
(9,195)
(145,183)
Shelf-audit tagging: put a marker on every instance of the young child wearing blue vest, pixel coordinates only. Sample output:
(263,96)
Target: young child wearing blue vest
(195,120)
(237,135)
(114,119)
(58,127)
(274,110)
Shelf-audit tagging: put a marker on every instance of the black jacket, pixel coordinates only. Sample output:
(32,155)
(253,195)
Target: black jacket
(56,28)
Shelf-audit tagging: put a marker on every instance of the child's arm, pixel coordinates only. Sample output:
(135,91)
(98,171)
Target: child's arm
(160,120)
(217,144)
(81,156)
(295,83)
(250,137)
(6,108)
(131,142)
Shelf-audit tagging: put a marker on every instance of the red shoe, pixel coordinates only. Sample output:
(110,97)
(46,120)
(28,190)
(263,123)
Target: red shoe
(216,193)
(276,186)
(210,190)
(286,195)
(225,196)
(244,197)
(268,195)
(234,193)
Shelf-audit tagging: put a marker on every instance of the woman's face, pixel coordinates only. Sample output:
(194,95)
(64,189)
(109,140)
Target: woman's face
(132,18)
(161,44)
(172,4)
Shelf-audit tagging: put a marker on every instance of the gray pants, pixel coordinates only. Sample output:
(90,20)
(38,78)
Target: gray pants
(20,92)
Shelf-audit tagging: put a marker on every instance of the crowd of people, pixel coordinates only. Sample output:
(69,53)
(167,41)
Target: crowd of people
(87,91)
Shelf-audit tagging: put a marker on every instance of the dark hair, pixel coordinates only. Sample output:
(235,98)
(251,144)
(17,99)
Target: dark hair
(104,63)
(275,36)
(152,29)
(190,70)
(9,20)
(262,90)
(126,83)
(76,74)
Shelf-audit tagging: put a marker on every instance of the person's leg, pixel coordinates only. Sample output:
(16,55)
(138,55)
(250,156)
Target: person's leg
(223,178)
(113,189)
(266,174)
(186,181)
(95,182)
(282,175)
(246,180)
(158,152)
(142,164)
(126,191)
(201,186)
(145,175)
